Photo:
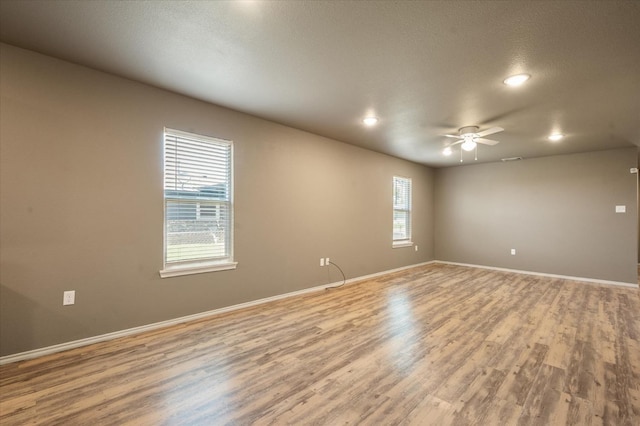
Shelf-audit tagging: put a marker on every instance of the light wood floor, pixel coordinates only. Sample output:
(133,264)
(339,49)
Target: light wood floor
(435,345)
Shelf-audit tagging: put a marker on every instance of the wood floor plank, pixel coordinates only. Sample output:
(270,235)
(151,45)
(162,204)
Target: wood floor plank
(581,412)
(431,410)
(473,406)
(433,345)
(520,380)
(545,404)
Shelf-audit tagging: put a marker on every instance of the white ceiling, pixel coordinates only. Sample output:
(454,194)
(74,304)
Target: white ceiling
(424,68)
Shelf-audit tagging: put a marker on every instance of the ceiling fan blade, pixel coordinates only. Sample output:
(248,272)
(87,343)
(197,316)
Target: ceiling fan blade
(453,136)
(456,143)
(490,131)
(486,141)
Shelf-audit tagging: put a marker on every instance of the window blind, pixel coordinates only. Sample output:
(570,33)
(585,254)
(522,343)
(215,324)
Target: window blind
(401,209)
(198,198)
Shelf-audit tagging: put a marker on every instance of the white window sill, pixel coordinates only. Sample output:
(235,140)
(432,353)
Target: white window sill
(399,244)
(176,271)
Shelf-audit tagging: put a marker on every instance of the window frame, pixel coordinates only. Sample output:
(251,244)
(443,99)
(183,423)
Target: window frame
(188,267)
(406,241)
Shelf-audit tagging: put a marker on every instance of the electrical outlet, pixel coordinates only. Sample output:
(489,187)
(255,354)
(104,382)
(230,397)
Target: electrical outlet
(69,297)
(513,252)
(416,248)
(327,262)
(322,261)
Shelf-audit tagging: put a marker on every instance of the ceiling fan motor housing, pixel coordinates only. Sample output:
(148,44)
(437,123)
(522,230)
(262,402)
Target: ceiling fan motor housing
(469,131)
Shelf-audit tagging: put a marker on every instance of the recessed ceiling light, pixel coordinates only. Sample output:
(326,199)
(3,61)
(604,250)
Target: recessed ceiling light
(516,80)
(555,137)
(370,121)
(447,151)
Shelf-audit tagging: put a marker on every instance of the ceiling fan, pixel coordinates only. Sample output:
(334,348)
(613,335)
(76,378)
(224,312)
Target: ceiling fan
(470,137)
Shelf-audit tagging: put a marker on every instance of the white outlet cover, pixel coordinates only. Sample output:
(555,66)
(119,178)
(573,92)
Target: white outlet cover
(621,209)
(69,297)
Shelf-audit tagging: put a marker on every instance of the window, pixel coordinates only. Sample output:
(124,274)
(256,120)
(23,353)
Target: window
(198,204)
(401,212)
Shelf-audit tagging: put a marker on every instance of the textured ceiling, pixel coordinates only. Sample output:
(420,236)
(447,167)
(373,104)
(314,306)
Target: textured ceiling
(424,68)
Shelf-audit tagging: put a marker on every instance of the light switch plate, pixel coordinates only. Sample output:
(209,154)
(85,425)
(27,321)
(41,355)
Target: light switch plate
(621,209)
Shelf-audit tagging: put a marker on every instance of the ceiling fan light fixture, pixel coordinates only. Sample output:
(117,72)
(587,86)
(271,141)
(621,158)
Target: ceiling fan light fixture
(370,121)
(468,145)
(447,151)
(555,137)
(516,80)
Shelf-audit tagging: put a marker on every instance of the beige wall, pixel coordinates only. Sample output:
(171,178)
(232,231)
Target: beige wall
(557,212)
(82,205)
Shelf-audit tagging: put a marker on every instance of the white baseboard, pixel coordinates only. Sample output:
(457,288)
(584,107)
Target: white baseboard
(542,274)
(21,356)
